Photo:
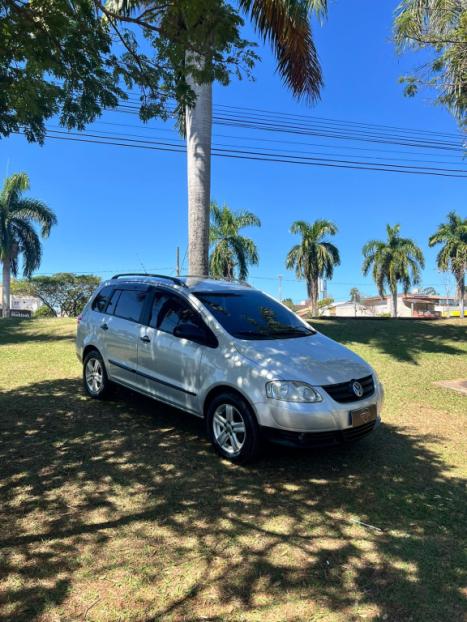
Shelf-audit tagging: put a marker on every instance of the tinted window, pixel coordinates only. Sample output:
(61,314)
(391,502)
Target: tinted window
(100,301)
(130,304)
(174,312)
(157,306)
(113,301)
(253,315)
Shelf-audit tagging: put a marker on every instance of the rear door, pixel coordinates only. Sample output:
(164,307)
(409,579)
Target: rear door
(171,364)
(122,325)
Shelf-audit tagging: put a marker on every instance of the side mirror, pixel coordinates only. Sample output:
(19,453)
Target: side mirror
(198,334)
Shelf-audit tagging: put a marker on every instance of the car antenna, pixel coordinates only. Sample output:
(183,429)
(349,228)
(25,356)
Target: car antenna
(142,264)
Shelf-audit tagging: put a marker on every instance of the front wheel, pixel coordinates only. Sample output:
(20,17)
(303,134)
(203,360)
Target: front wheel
(233,429)
(95,380)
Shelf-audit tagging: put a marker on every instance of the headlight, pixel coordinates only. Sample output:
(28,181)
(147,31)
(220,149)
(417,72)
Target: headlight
(292,391)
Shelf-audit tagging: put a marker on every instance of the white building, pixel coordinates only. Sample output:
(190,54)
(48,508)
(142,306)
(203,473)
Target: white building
(408,305)
(26,304)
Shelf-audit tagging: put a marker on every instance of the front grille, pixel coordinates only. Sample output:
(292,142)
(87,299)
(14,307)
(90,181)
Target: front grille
(343,392)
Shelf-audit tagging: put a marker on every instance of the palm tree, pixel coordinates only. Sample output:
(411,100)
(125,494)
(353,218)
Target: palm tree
(395,260)
(453,254)
(314,257)
(355,297)
(286,25)
(231,251)
(18,236)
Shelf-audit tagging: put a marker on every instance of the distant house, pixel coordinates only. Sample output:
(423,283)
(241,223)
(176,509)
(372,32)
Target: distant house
(22,305)
(408,305)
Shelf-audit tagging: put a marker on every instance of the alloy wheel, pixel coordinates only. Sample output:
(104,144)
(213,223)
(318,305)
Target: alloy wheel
(229,429)
(94,375)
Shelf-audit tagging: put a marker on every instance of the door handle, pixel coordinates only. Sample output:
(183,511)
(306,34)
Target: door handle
(104,326)
(145,338)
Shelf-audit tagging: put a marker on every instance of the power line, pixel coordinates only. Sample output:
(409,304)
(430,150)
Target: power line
(258,156)
(271,140)
(181,143)
(355,131)
(318,119)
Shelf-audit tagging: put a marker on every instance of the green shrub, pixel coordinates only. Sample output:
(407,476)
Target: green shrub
(43,311)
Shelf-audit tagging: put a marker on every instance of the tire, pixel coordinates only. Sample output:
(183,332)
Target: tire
(240,444)
(95,380)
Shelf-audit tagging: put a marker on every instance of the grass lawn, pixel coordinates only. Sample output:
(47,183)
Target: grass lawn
(120,511)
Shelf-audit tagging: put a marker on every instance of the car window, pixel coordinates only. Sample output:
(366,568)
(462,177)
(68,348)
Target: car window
(130,304)
(113,301)
(99,303)
(253,315)
(175,312)
(157,306)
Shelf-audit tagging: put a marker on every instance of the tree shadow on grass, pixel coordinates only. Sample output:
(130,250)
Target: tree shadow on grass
(404,340)
(80,477)
(25,330)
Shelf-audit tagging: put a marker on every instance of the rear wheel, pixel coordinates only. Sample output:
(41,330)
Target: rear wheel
(95,380)
(232,428)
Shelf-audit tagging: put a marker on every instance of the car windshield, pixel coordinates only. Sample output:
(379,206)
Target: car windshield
(253,315)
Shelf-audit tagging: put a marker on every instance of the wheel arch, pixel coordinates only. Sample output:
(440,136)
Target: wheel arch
(89,348)
(226,388)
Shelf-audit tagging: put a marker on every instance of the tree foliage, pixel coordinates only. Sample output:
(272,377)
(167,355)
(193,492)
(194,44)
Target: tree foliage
(55,58)
(19,216)
(231,253)
(439,26)
(288,302)
(314,257)
(452,236)
(64,293)
(325,302)
(74,58)
(393,261)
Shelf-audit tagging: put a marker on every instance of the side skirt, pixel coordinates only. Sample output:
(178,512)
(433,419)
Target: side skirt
(158,399)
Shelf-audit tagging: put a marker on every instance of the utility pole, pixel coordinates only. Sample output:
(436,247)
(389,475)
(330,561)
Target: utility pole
(177,269)
(280,287)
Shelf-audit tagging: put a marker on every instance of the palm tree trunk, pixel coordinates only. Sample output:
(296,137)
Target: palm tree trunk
(461,290)
(314,297)
(394,303)
(6,287)
(198,149)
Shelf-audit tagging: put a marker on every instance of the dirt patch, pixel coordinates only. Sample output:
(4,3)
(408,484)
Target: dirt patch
(455,385)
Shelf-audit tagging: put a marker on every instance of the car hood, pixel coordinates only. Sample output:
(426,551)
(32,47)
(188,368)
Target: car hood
(316,359)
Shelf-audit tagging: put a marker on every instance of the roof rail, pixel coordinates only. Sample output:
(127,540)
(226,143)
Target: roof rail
(156,276)
(215,278)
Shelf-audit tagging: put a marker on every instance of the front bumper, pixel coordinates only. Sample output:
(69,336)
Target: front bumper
(319,439)
(327,416)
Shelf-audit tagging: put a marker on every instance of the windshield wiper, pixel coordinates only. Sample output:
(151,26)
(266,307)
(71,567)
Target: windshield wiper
(294,329)
(288,332)
(251,333)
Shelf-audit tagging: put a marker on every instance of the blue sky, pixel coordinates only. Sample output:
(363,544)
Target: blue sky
(121,209)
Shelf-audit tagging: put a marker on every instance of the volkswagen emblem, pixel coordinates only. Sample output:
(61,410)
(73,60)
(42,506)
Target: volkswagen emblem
(357,388)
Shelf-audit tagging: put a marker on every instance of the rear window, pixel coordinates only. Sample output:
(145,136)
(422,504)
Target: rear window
(99,303)
(130,305)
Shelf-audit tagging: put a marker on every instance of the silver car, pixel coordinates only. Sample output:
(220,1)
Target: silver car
(230,354)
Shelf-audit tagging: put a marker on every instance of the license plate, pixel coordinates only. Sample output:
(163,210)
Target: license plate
(362,416)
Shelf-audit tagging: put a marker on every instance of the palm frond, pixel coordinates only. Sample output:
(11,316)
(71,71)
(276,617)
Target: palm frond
(229,249)
(29,245)
(286,25)
(13,188)
(37,211)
